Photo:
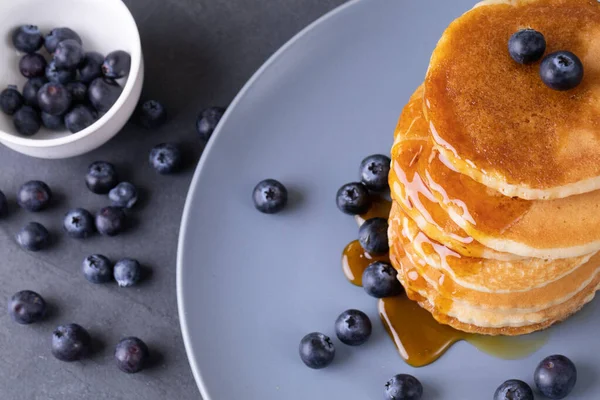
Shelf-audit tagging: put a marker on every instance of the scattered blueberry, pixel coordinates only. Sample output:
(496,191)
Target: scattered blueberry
(208,120)
(57,75)
(152,114)
(381,280)
(3,205)
(70,342)
(91,67)
(555,376)
(374,172)
(79,118)
(403,387)
(52,122)
(27,121)
(33,237)
(373,237)
(97,269)
(103,93)
(34,196)
(110,221)
(116,64)
(78,91)
(31,89)
(270,196)
(101,177)
(127,272)
(353,327)
(32,65)
(79,223)
(526,46)
(514,389)
(166,158)
(353,198)
(316,350)
(68,54)
(54,98)
(27,38)
(26,307)
(10,100)
(561,70)
(123,195)
(131,355)
(57,35)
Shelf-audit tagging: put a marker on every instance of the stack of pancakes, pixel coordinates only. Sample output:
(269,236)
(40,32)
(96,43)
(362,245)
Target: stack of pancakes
(495,223)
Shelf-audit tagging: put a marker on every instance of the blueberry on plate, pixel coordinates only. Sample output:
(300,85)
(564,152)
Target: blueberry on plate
(316,350)
(54,98)
(103,93)
(403,387)
(97,269)
(3,205)
(110,221)
(57,35)
(32,65)
(381,280)
(27,121)
(123,195)
(165,158)
(561,70)
(514,389)
(269,196)
(10,100)
(31,89)
(116,64)
(101,177)
(70,342)
(79,223)
(79,118)
(353,198)
(373,236)
(91,67)
(52,122)
(34,196)
(127,272)
(68,54)
(131,355)
(555,376)
(57,75)
(208,120)
(374,172)
(33,237)
(526,46)
(26,307)
(78,91)
(27,38)
(353,327)
(152,114)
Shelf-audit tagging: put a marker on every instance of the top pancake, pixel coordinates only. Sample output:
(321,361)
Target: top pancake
(496,121)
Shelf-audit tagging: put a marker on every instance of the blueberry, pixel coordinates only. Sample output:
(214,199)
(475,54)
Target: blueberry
(101,177)
(526,46)
(27,121)
(33,237)
(561,70)
(54,98)
(127,272)
(3,205)
(79,223)
(91,67)
(513,389)
(52,122)
(131,355)
(269,196)
(79,118)
(374,172)
(78,91)
(26,307)
(10,100)
(555,376)
(381,280)
(97,269)
(208,120)
(403,387)
(103,93)
(353,327)
(123,195)
(57,35)
(57,75)
(165,158)
(68,54)
(316,350)
(353,198)
(116,64)
(152,114)
(27,38)
(34,196)
(373,237)
(32,65)
(71,342)
(31,89)
(110,221)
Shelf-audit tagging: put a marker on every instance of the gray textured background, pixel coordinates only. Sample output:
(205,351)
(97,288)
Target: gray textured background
(198,53)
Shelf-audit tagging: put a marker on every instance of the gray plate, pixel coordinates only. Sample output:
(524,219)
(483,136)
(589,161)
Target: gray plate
(251,285)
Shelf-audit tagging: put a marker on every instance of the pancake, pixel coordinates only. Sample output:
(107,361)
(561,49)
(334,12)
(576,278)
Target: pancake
(495,121)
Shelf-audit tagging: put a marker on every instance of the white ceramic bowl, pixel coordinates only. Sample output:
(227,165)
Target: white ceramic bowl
(104,26)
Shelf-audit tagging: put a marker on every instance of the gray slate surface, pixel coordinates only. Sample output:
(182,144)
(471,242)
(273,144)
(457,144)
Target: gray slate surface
(198,53)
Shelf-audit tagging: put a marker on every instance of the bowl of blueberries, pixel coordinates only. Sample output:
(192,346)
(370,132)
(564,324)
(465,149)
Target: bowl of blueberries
(72,75)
